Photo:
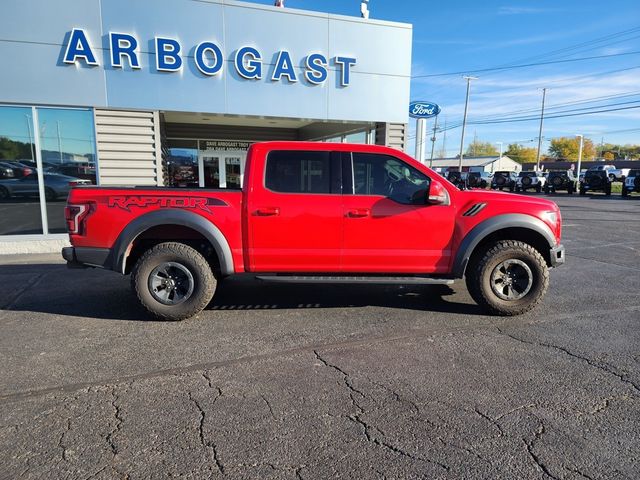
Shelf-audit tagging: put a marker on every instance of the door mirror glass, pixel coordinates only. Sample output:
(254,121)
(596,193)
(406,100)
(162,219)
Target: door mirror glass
(437,195)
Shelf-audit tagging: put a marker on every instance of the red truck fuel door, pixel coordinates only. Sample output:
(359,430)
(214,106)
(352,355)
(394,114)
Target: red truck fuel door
(402,231)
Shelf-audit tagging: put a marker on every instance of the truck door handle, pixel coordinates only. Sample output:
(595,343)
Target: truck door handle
(359,213)
(267,212)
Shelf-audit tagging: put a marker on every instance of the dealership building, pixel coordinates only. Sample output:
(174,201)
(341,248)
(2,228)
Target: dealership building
(171,93)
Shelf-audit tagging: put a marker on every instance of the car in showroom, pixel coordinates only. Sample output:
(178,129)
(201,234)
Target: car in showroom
(560,180)
(530,180)
(504,180)
(55,186)
(631,183)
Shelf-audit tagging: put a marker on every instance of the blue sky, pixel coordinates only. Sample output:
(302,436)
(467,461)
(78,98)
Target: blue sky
(464,35)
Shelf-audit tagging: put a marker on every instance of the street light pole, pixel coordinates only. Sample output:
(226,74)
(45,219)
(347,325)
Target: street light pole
(464,119)
(580,154)
(544,96)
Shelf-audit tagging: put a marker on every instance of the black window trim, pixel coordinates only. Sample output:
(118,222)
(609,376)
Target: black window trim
(335,173)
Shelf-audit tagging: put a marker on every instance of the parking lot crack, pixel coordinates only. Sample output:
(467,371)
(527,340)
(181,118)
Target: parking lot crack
(264,399)
(622,377)
(208,445)
(368,429)
(61,442)
(530,446)
(578,472)
(492,421)
(119,421)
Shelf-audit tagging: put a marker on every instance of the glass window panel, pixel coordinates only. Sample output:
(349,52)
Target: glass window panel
(19,196)
(358,137)
(375,174)
(182,164)
(291,171)
(68,149)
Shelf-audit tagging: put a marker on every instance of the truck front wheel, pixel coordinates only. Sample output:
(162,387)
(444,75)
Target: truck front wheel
(508,277)
(173,281)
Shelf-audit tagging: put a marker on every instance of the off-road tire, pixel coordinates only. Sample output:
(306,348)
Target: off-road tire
(4,193)
(204,282)
(570,189)
(538,188)
(479,272)
(547,190)
(607,190)
(625,193)
(582,191)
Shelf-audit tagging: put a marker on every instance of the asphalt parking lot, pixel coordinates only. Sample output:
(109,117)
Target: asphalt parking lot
(308,382)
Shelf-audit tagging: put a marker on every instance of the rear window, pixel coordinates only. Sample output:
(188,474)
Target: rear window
(634,173)
(298,171)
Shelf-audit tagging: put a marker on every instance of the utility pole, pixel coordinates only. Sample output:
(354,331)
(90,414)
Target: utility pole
(464,120)
(544,96)
(499,158)
(444,139)
(433,141)
(33,154)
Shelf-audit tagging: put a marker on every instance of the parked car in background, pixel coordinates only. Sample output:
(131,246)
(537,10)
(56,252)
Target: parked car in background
(6,171)
(479,179)
(504,179)
(84,171)
(596,180)
(559,180)
(55,186)
(530,180)
(631,183)
(615,174)
(459,179)
(19,169)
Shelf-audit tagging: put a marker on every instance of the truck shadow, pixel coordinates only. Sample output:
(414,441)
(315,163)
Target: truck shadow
(55,290)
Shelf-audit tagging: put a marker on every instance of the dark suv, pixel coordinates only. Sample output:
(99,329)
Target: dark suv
(595,180)
(560,181)
(631,183)
(504,179)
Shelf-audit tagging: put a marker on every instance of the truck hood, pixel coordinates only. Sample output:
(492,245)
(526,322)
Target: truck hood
(470,196)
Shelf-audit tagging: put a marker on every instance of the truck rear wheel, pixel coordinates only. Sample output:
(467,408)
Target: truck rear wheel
(508,277)
(173,281)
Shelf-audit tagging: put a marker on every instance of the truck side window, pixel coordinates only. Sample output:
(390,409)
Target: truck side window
(375,174)
(298,171)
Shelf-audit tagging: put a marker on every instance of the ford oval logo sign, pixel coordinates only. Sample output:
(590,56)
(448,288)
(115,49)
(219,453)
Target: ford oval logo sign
(423,109)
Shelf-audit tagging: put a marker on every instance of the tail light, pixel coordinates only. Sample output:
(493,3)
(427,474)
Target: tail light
(26,171)
(75,216)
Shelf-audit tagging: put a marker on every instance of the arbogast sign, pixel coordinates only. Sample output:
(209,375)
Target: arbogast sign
(208,58)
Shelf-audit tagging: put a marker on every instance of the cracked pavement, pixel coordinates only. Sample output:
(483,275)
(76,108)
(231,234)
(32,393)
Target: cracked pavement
(302,382)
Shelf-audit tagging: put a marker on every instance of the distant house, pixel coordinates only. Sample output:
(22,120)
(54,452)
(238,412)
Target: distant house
(477,164)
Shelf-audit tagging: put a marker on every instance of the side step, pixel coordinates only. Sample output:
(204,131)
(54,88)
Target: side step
(362,279)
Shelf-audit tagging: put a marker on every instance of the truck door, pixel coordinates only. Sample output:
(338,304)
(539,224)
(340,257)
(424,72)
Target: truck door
(388,225)
(294,212)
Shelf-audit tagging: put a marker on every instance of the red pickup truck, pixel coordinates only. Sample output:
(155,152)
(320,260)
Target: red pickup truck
(323,213)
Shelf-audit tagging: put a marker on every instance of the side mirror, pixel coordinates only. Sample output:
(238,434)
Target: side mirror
(437,195)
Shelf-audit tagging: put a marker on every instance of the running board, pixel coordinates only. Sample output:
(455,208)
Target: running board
(371,280)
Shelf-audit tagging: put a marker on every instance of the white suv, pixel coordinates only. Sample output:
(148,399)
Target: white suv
(631,183)
(527,180)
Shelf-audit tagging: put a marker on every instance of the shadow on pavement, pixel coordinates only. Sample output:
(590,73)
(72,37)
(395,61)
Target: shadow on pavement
(54,289)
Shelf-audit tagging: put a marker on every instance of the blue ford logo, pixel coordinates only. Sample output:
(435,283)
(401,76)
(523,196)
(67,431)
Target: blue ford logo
(423,109)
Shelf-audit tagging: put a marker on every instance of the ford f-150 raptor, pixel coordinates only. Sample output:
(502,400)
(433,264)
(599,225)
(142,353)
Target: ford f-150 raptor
(323,213)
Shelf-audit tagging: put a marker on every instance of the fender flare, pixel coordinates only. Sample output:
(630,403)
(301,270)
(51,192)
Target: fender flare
(487,227)
(172,217)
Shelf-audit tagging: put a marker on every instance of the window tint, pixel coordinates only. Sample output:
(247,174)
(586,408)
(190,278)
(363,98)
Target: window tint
(385,175)
(292,171)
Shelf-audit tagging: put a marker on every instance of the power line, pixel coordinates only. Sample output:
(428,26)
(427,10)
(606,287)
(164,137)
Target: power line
(526,65)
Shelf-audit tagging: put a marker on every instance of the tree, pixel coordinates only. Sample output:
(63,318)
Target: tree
(566,148)
(481,149)
(521,154)
(609,156)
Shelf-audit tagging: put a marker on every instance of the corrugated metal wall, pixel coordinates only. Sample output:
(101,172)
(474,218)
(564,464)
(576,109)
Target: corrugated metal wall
(128,143)
(392,135)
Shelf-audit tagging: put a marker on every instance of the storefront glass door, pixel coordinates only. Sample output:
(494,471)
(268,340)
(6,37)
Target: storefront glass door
(221,169)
